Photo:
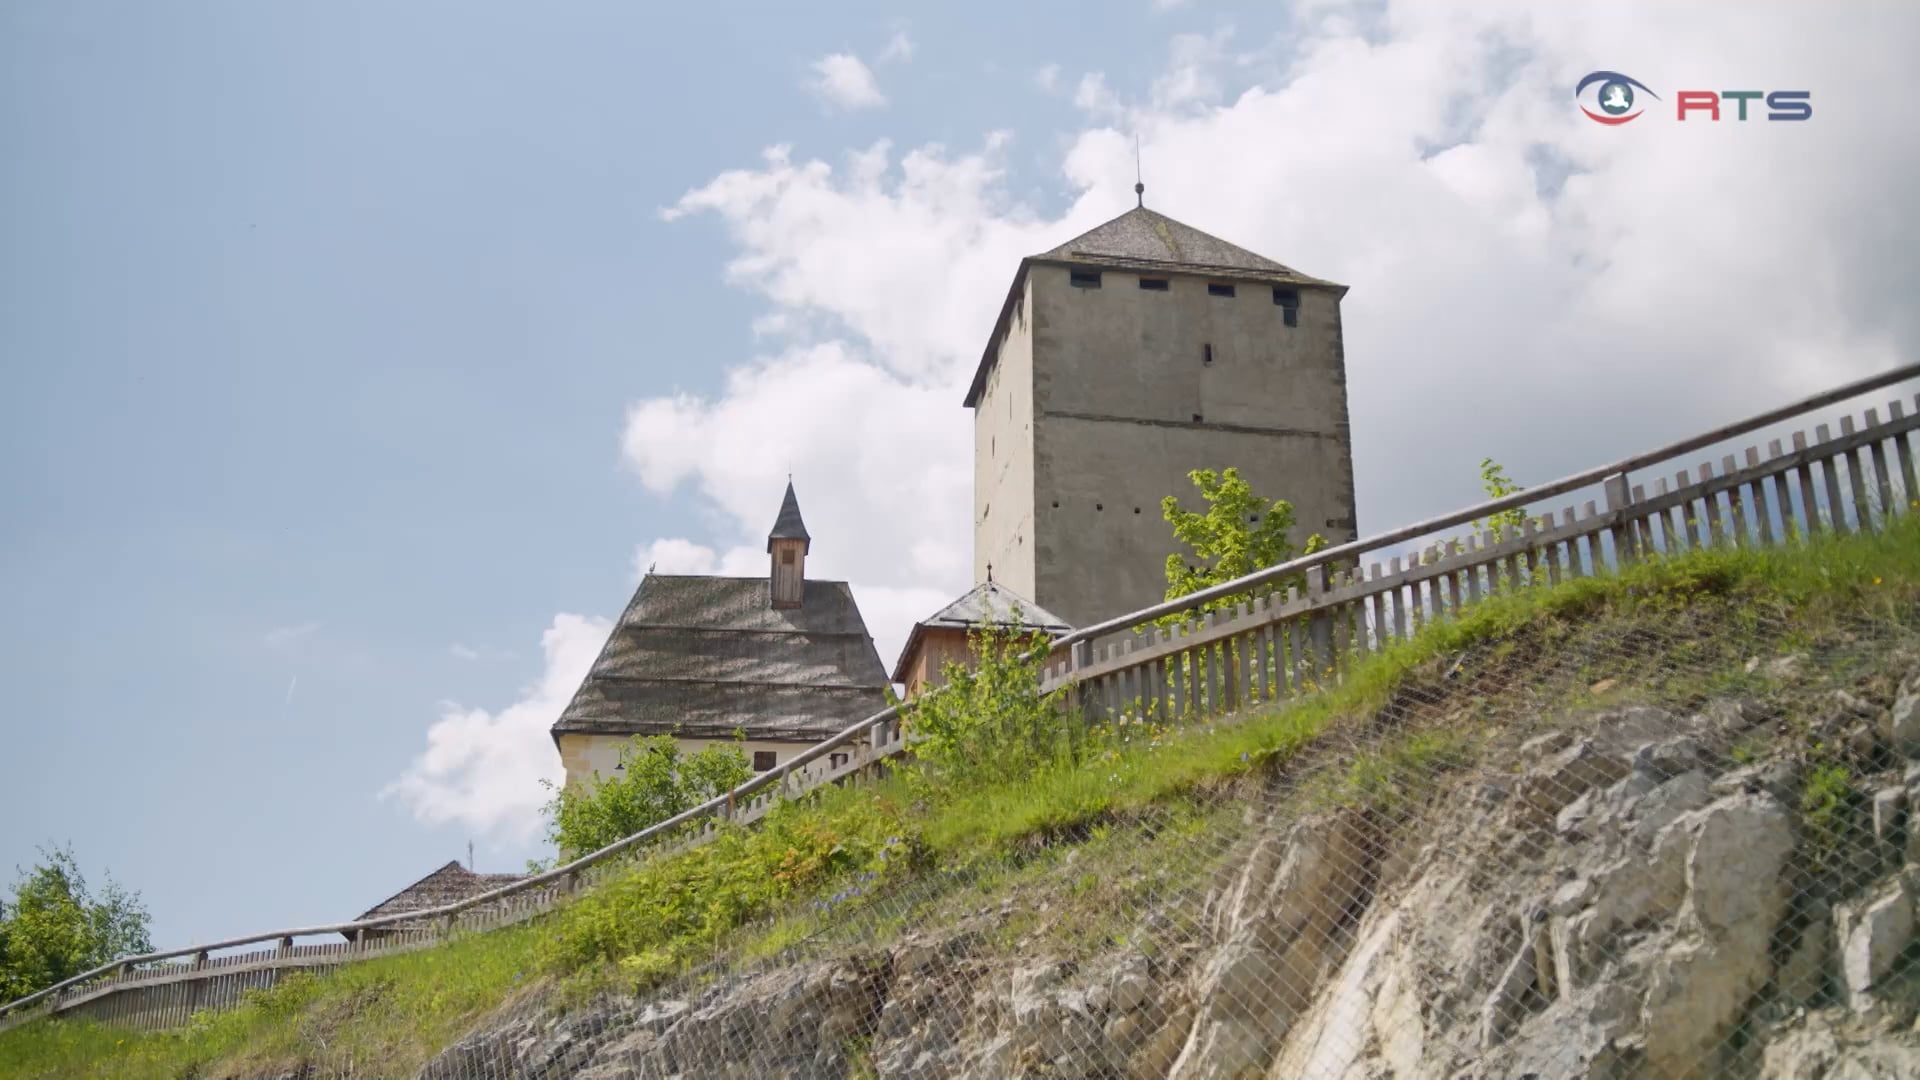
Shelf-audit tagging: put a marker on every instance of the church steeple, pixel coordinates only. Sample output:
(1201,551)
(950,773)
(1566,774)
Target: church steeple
(788,544)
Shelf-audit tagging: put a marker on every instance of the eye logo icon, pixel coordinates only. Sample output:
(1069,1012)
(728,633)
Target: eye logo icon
(1614,97)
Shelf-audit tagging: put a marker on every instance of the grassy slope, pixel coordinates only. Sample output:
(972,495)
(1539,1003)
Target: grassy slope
(756,891)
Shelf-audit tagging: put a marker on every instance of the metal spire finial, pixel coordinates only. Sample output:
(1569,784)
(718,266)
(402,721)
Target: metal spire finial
(1139,185)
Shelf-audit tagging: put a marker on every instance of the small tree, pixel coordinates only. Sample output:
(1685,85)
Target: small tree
(1238,533)
(990,721)
(54,928)
(1493,480)
(655,781)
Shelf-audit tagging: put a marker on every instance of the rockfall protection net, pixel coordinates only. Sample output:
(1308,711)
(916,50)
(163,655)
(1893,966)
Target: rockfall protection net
(1675,847)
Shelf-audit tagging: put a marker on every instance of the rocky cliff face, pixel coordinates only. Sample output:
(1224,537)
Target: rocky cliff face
(1635,893)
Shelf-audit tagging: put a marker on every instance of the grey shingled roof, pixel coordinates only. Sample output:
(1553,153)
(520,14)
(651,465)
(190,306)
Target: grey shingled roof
(1148,236)
(702,657)
(446,885)
(1145,240)
(788,525)
(987,602)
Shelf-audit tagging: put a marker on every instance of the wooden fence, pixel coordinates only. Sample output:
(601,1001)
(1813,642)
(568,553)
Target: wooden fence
(1308,622)
(1309,633)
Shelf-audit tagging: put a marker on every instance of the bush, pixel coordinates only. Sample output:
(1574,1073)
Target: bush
(672,910)
(991,722)
(655,781)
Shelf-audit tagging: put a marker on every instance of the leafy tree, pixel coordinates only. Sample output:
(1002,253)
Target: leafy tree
(1238,533)
(990,721)
(54,928)
(655,781)
(1494,481)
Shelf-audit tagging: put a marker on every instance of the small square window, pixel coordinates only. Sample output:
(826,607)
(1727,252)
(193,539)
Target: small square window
(1084,279)
(834,761)
(1154,284)
(764,760)
(1219,290)
(1286,297)
(786,556)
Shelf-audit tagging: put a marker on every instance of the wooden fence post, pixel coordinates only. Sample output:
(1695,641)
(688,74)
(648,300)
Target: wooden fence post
(1625,542)
(1319,625)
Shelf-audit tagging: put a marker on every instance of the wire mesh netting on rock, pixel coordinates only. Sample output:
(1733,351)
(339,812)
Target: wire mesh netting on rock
(1658,850)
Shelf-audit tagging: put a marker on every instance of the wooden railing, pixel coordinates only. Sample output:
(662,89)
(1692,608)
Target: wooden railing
(1307,623)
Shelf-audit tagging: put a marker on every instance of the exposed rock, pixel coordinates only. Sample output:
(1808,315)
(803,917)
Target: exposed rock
(1736,894)
(1902,722)
(1804,976)
(1563,777)
(1873,933)
(1818,1051)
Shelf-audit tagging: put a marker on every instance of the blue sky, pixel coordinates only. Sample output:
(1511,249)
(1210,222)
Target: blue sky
(356,354)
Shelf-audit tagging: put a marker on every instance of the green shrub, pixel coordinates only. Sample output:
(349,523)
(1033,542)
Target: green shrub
(653,921)
(991,721)
(655,781)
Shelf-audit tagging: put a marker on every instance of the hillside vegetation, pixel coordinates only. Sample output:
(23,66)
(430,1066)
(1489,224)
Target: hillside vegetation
(1121,839)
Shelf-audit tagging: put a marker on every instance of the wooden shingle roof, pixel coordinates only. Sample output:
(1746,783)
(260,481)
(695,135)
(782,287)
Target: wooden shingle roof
(988,603)
(704,657)
(450,883)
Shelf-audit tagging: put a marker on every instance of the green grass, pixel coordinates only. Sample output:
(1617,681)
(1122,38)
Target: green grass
(388,1014)
(755,893)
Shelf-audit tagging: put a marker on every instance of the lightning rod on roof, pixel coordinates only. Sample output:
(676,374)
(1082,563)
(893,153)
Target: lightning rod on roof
(1139,185)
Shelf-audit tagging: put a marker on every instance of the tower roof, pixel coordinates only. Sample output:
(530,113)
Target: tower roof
(986,603)
(788,525)
(1147,236)
(1145,240)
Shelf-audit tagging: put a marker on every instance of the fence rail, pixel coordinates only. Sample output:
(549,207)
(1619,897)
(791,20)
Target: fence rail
(1285,630)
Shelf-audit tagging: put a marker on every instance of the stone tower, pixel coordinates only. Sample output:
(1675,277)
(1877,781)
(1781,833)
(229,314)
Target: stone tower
(1122,360)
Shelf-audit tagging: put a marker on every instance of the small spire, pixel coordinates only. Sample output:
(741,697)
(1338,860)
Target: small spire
(1139,185)
(788,526)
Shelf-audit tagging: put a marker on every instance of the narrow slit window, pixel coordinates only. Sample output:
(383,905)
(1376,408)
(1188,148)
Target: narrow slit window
(1083,279)
(1206,354)
(1154,284)
(1196,418)
(1219,290)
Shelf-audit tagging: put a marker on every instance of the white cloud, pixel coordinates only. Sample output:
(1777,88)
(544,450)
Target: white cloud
(845,80)
(483,769)
(899,47)
(1093,96)
(1525,284)
(463,652)
(1047,78)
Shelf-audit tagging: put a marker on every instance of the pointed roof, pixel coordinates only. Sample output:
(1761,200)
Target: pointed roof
(444,886)
(1145,240)
(985,603)
(1147,236)
(788,525)
(702,657)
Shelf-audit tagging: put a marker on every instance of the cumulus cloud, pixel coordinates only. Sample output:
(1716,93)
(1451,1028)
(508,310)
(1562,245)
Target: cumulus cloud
(845,80)
(1526,284)
(484,769)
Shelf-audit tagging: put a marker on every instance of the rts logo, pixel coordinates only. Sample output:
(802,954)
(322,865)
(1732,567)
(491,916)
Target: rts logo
(1616,100)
